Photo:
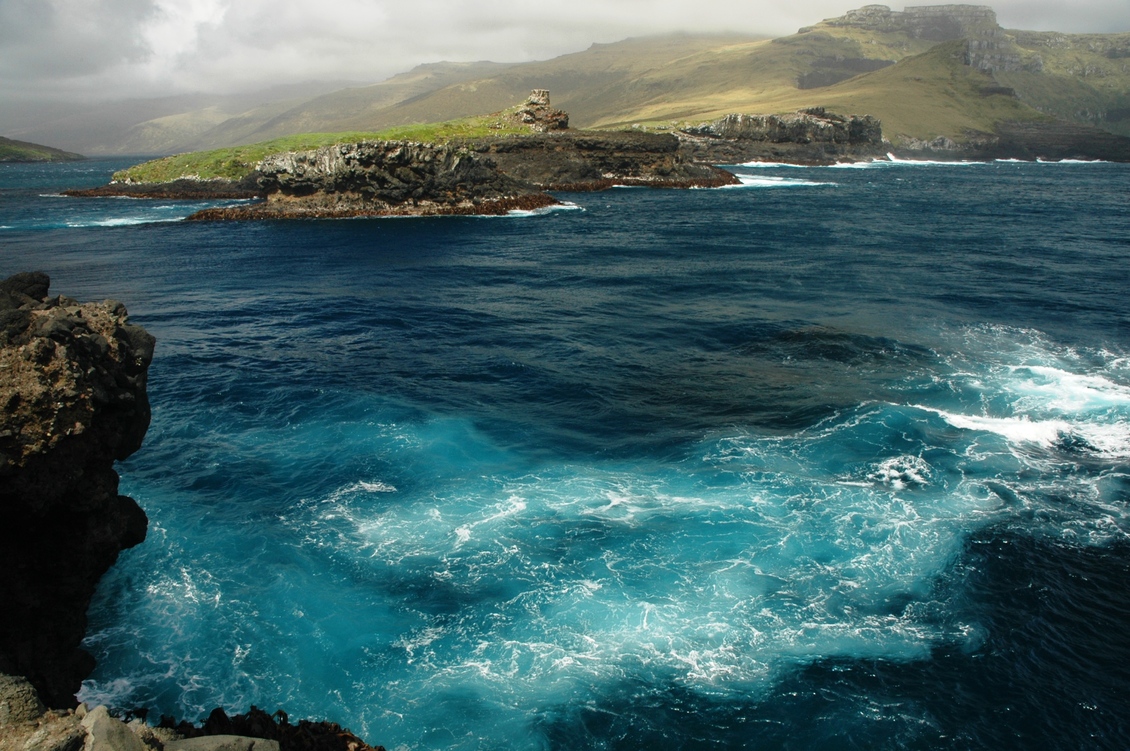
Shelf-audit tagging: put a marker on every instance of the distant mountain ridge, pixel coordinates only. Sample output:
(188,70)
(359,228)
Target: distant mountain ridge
(931,74)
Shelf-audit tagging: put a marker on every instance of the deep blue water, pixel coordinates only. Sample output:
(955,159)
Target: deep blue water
(838,459)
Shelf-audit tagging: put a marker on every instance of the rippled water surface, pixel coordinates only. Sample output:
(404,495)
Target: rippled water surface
(834,459)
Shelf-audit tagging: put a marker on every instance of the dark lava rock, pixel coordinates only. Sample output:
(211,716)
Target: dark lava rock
(594,160)
(72,386)
(182,189)
(382,178)
(812,136)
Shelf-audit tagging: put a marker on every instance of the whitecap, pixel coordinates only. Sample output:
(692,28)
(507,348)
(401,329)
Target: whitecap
(769,181)
(901,472)
(1015,429)
(768,165)
(563,206)
(1063,391)
(933,162)
(121,222)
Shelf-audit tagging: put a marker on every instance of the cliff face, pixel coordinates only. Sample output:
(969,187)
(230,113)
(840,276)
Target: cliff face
(375,178)
(592,160)
(812,136)
(936,23)
(72,386)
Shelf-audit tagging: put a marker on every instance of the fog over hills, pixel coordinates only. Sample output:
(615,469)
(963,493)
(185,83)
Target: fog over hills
(928,72)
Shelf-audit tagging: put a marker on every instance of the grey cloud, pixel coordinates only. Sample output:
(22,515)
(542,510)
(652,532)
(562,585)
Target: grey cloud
(45,41)
(72,47)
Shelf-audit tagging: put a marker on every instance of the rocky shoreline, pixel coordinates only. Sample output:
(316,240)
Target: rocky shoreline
(497,175)
(809,137)
(73,386)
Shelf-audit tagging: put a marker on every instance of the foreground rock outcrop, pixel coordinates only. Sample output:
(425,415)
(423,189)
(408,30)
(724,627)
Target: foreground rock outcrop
(73,391)
(72,387)
(26,725)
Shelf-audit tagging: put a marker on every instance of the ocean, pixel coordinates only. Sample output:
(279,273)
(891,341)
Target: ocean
(839,458)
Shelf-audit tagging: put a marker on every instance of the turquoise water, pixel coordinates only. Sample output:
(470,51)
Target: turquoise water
(834,459)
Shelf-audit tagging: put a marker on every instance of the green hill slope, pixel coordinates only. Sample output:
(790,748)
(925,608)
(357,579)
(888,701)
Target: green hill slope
(1079,77)
(928,71)
(22,151)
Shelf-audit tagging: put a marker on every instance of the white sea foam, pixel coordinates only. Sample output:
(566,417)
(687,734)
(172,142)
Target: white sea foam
(902,472)
(1064,391)
(122,221)
(1071,161)
(1016,429)
(766,181)
(563,206)
(771,165)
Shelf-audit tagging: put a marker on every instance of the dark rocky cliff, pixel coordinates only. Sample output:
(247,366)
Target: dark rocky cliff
(72,386)
(382,178)
(593,160)
(811,136)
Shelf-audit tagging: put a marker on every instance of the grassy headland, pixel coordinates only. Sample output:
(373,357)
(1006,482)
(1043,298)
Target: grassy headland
(22,151)
(236,162)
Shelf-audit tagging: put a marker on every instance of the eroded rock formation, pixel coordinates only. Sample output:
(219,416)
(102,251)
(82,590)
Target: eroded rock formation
(382,178)
(809,136)
(594,160)
(72,387)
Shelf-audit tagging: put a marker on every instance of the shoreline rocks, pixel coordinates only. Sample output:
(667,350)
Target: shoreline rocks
(72,384)
(73,388)
(813,136)
(382,178)
(183,189)
(597,160)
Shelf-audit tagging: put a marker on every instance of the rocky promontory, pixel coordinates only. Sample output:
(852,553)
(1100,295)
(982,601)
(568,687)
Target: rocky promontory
(595,160)
(72,384)
(382,178)
(812,136)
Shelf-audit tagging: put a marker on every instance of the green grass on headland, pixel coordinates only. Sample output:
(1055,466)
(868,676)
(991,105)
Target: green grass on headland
(22,151)
(236,162)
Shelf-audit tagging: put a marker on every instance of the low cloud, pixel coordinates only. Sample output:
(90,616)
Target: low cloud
(117,48)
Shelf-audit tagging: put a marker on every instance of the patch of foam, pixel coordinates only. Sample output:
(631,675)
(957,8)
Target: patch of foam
(120,222)
(563,206)
(933,162)
(752,181)
(1053,388)
(902,472)
(1015,429)
(771,165)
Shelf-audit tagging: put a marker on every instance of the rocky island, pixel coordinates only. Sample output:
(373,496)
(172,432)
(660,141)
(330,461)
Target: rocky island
(483,175)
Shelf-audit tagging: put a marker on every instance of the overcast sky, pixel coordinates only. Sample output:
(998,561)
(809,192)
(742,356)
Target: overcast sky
(117,48)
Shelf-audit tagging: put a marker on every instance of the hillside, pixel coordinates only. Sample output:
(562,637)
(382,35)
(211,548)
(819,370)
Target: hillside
(926,72)
(1084,78)
(22,151)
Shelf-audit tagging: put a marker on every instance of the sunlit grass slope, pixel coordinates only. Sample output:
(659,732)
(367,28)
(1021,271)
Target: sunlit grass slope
(236,162)
(924,96)
(1081,77)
